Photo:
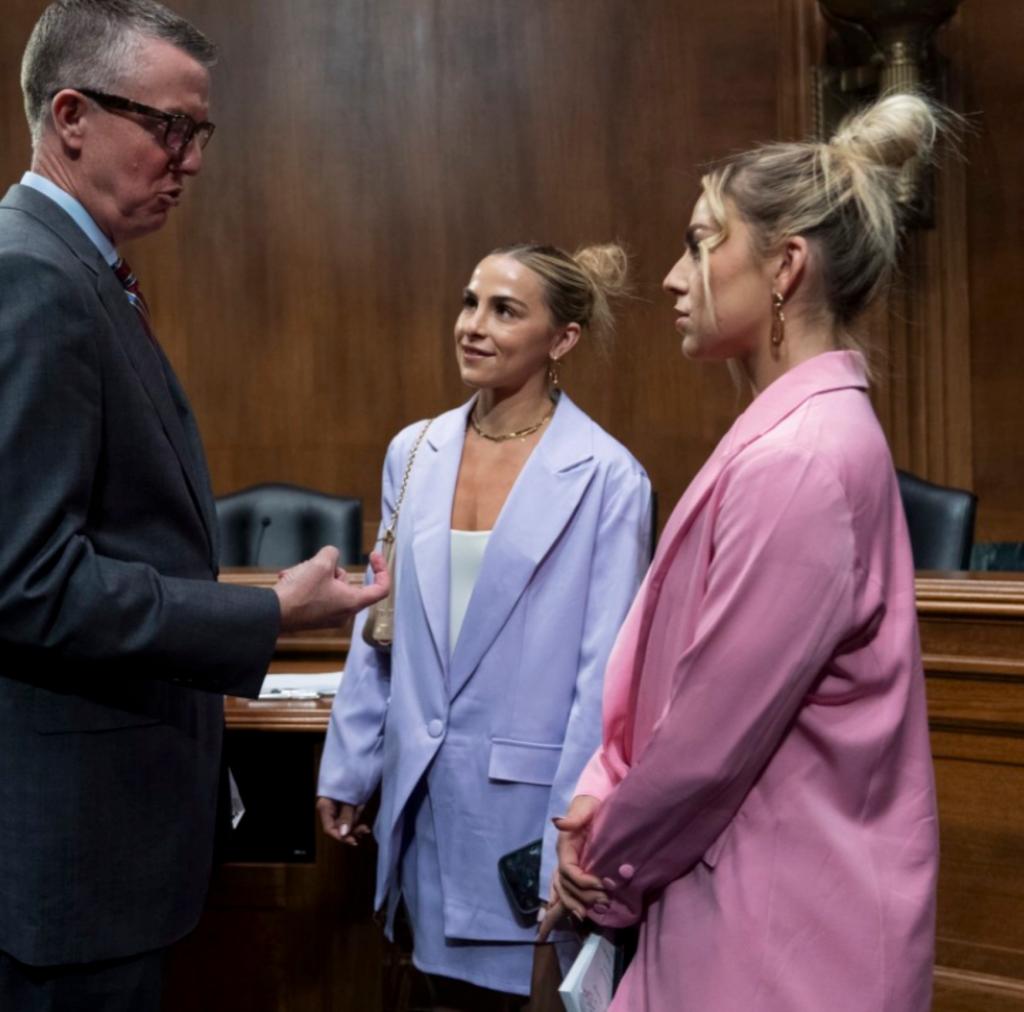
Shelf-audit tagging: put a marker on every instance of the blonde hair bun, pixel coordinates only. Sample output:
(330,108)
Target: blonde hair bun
(578,288)
(607,266)
(891,133)
(847,194)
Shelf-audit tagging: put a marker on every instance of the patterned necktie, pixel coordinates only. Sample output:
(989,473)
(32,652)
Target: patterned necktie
(131,288)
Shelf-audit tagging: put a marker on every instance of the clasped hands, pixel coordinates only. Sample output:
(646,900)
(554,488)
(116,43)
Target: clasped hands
(573,891)
(316,593)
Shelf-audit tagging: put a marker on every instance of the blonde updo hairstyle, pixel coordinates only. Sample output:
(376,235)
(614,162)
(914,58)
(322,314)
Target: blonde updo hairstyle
(844,195)
(578,287)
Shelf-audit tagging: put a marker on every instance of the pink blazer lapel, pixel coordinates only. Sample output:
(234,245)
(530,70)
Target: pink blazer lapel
(829,371)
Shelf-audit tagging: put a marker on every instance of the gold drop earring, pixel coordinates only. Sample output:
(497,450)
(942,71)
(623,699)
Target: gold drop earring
(553,378)
(778,321)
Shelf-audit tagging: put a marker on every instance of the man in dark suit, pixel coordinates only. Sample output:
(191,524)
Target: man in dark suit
(116,641)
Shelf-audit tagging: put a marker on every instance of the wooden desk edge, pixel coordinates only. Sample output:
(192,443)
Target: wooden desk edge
(941,597)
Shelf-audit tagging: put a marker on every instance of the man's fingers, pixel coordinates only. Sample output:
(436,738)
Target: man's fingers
(363,596)
(327,557)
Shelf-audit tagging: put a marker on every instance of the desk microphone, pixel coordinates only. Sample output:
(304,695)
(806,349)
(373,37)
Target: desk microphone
(264,524)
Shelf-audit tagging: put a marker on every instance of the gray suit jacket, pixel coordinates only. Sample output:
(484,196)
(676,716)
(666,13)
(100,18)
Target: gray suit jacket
(115,639)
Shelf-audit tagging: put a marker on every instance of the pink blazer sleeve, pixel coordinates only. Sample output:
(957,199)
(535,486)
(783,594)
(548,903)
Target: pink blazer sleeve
(608,765)
(777,602)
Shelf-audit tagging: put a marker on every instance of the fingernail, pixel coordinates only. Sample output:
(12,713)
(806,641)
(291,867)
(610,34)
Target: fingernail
(344,829)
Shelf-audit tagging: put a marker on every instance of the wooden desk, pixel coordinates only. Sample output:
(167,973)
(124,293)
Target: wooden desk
(300,936)
(972,638)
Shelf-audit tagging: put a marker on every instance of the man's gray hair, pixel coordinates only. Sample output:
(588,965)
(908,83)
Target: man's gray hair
(94,44)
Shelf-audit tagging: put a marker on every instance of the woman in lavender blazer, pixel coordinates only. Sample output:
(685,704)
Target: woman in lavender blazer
(763,801)
(521,541)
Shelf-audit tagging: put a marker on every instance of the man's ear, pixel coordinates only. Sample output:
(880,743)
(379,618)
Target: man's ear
(69,113)
(791,266)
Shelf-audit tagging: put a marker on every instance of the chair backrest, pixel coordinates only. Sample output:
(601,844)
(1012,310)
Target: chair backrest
(941,522)
(277,525)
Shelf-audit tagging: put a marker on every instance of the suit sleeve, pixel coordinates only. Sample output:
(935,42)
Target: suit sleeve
(352,762)
(620,556)
(57,594)
(777,603)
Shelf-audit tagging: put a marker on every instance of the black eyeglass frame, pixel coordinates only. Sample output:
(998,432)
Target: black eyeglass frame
(172,121)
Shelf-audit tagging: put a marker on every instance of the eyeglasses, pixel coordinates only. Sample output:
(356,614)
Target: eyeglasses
(179,128)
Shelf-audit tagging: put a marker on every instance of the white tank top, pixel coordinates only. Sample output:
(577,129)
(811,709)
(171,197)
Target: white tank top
(467,555)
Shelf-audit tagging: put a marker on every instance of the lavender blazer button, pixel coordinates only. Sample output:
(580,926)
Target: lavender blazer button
(627,871)
(435,728)
(600,908)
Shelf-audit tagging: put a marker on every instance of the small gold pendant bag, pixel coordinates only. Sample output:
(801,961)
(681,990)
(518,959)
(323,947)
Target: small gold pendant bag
(379,628)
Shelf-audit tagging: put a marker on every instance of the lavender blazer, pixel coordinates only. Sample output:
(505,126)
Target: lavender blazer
(768,808)
(502,725)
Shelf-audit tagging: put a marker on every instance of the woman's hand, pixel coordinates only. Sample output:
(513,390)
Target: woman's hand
(340,820)
(572,889)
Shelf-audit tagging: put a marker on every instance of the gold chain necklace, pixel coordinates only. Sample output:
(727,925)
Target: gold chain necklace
(505,436)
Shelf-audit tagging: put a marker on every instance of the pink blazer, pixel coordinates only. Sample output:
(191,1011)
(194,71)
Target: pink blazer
(768,805)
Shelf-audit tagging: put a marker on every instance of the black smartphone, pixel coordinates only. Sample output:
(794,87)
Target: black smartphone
(519,871)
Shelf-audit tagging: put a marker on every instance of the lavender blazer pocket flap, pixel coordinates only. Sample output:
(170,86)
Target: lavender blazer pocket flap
(524,762)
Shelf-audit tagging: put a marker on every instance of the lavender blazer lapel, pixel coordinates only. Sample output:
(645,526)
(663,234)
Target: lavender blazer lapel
(538,508)
(430,498)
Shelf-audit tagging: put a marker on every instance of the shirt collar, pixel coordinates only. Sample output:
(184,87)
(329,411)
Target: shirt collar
(75,210)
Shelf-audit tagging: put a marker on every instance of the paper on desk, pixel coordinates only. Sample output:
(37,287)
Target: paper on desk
(303,686)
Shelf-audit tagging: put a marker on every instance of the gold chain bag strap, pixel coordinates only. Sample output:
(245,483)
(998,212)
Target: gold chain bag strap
(379,628)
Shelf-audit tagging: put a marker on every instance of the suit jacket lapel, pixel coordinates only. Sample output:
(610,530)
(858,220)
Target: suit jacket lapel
(543,499)
(203,489)
(153,370)
(165,394)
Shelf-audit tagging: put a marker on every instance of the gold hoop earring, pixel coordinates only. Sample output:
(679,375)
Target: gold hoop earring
(778,320)
(553,378)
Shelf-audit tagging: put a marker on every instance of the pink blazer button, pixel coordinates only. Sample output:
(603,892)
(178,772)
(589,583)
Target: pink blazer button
(600,908)
(627,871)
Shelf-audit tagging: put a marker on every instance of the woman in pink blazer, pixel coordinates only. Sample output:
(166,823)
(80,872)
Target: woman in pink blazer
(763,801)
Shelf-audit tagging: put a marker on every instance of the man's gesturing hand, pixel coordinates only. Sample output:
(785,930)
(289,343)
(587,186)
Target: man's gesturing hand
(316,593)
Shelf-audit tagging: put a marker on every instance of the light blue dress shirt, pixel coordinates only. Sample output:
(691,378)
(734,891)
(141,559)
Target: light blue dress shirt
(74,208)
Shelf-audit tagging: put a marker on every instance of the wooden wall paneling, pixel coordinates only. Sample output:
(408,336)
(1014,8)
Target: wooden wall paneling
(920,336)
(15,25)
(994,92)
(925,363)
(801,43)
(370,151)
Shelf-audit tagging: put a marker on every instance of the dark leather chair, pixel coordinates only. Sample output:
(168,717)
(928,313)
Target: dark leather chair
(277,525)
(941,522)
